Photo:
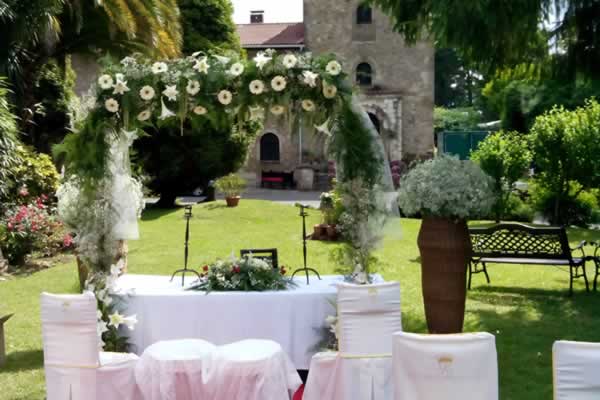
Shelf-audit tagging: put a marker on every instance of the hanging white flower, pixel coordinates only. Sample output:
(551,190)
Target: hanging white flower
(193,87)
(120,87)
(159,68)
(199,110)
(111,105)
(277,110)
(278,83)
(261,60)
(324,128)
(223,60)
(202,65)
(257,87)
(131,321)
(115,269)
(333,68)
(236,69)
(116,320)
(147,93)
(329,91)
(290,61)
(101,327)
(105,82)
(171,92)
(310,78)
(165,112)
(225,97)
(308,105)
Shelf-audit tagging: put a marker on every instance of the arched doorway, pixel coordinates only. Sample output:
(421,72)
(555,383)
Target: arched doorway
(375,122)
(269,147)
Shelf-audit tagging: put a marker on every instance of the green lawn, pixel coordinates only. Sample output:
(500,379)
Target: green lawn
(527,307)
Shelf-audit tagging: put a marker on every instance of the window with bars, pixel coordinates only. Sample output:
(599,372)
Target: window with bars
(364,15)
(257,17)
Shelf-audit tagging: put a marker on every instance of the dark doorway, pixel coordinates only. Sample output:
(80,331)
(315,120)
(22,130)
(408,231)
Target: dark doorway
(269,147)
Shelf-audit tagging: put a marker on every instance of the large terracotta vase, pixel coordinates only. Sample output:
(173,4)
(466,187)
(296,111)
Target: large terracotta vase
(445,252)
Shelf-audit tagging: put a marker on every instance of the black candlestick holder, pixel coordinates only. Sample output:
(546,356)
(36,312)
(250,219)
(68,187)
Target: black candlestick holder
(187,215)
(305,269)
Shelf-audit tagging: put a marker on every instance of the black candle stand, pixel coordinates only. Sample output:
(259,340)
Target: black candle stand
(187,215)
(305,269)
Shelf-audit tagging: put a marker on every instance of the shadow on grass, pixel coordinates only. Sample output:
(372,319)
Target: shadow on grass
(153,213)
(23,361)
(214,206)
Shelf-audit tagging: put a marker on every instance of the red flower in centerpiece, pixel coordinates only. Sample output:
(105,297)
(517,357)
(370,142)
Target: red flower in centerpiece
(236,269)
(282,270)
(205,268)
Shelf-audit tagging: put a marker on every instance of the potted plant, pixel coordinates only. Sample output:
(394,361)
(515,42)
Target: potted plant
(231,186)
(446,192)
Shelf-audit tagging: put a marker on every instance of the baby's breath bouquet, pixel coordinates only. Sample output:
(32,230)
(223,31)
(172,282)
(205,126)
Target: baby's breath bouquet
(245,274)
(446,187)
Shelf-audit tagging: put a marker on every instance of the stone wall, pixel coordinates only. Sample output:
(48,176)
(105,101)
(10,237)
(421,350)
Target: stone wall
(406,73)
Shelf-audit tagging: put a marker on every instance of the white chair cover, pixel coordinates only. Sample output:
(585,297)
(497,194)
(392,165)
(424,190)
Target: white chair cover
(175,369)
(434,367)
(576,370)
(368,315)
(73,366)
(253,370)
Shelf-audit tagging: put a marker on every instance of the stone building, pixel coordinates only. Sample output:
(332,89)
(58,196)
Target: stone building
(396,81)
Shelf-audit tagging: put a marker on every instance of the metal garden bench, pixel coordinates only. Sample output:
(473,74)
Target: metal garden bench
(511,243)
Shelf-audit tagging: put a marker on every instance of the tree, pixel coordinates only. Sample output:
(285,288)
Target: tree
(566,145)
(9,158)
(456,83)
(494,34)
(504,156)
(208,24)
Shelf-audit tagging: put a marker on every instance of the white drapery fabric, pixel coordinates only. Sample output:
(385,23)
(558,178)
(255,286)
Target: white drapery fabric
(576,370)
(293,318)
(433,367)
(73,366)
(193,369)
(368,315)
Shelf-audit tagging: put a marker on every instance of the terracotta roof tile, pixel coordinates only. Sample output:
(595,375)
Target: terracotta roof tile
(253,35)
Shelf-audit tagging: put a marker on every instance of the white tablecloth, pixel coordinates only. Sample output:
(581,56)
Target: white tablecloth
(292,318)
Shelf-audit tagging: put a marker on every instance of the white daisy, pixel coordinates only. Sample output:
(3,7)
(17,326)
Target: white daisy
(236,69)
(105,82)
(261,60)
(277,110)
(308,105)
(193,87)
(225,97)
(202,65)
(257,87)
(199,110)
(171,92)
(111,105)
(147,93)
(290,61)
(329,91)
(144,115)
(278,83)
(120,87)
(310,78)
(333,68)
(116,320)
(159,68)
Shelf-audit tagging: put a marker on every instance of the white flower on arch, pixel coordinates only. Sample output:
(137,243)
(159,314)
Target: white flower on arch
(171,92)
(278,83)
(277,109)
(236,69)
(329,91)
(333,68)
(202,65)
(120,87)
(159,68)
(310,78)
(308,105)
(111,105)
(261,60)
(147,93)
(290,61)
(200,110)
(225,97)
(257,87)
(105,82)
(165,112)
(193,87)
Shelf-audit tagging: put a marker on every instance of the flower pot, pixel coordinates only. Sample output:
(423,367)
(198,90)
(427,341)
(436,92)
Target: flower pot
(331,232)
(319,232)
(232,201)
(445,250)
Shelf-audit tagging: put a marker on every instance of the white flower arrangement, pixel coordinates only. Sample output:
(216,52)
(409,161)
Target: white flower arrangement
(120,87)
(111,105)
(257,87)
(147,93)
(236,69)
(261,60)
(202,66)
(310,78)
(225,97)
(159,68)
(447,187)
(105,82)
(278,83)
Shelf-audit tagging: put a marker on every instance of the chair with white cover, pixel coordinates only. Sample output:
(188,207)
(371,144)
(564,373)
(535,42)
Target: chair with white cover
(368,315)
(434,367)
(175,369)
(252,369)
(74,367)
(576,370)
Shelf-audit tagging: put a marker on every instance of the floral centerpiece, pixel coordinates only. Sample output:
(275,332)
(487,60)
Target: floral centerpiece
(246,274)
(446,192)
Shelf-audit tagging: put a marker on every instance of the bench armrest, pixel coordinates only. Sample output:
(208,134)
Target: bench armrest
(580,247)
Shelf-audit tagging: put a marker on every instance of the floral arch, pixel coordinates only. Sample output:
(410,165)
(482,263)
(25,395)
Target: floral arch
(100,199)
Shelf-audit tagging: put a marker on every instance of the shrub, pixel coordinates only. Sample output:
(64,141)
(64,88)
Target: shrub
(578,209)
(504,156)
(566,145)
(456,118)
(519,210)
(37,174)
(446,187)
(231,185)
